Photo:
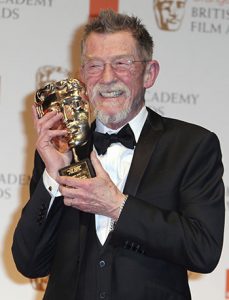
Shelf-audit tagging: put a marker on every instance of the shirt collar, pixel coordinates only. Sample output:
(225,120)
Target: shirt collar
(136,124)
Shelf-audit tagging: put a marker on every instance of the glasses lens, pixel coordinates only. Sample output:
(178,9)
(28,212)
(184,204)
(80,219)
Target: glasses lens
(94,67)
(122,64)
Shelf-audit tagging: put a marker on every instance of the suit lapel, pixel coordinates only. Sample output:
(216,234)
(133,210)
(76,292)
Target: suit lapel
(151,132)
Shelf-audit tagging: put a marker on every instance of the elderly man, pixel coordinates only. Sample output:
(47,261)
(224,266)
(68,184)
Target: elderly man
(155,208)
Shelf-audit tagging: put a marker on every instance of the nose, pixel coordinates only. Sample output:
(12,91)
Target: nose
(108,74)
(173,9)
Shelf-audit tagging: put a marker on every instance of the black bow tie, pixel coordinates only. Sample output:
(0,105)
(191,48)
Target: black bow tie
(125,136)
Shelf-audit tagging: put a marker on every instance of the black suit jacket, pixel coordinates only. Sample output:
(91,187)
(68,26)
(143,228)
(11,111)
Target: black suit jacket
(172,221)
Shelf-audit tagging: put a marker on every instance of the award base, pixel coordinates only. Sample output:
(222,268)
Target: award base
(82,169)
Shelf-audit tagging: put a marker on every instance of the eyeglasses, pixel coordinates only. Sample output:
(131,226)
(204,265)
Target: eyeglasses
(119,65)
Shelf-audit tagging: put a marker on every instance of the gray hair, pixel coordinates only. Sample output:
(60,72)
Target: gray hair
(110,22)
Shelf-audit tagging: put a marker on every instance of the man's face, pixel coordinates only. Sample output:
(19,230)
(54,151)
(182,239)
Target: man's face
(117,96)
(169,13)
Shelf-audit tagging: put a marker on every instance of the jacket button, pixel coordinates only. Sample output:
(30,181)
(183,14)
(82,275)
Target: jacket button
(102,263)
(102,295)
(126,246)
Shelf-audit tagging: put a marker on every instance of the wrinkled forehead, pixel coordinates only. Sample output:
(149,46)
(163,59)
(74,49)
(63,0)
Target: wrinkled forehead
(118,43)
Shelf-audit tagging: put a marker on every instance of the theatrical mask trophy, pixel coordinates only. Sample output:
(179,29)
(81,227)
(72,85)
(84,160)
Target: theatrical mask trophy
(69,97)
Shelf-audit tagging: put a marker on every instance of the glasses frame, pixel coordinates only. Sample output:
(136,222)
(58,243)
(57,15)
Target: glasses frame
(129,64)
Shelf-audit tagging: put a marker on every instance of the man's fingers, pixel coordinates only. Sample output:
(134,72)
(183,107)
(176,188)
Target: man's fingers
(34,112)
(48,121)
(68,201)
(68,181)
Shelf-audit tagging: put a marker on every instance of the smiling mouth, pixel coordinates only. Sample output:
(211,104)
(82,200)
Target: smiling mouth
(111,94)
(173,21)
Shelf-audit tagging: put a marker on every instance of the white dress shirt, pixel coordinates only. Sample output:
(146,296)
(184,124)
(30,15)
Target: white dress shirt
(116,161)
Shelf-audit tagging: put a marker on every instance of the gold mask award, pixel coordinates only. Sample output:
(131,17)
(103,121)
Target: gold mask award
(68,96)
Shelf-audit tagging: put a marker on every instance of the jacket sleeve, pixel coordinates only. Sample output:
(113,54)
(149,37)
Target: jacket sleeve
(35,235)
(190,235)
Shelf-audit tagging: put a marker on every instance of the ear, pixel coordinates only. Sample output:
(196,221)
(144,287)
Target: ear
(151,72)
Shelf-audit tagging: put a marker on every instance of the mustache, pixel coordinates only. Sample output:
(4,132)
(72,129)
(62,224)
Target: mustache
(103,88)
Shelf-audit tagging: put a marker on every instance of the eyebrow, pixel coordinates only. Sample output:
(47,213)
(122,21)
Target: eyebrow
(131,56)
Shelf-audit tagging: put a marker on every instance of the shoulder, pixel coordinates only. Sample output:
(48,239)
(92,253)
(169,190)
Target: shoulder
(178,127)
(176,132)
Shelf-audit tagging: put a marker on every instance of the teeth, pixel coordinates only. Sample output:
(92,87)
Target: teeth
(111,94)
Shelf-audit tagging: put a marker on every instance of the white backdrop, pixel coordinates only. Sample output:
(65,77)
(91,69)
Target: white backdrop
(39,40)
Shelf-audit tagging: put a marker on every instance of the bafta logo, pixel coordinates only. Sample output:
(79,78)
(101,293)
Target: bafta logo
(169,14)
(46,74)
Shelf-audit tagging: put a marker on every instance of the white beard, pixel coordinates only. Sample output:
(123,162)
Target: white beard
(114,119)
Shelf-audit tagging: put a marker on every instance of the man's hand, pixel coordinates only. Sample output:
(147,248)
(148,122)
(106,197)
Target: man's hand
(53,159)
(98,195)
